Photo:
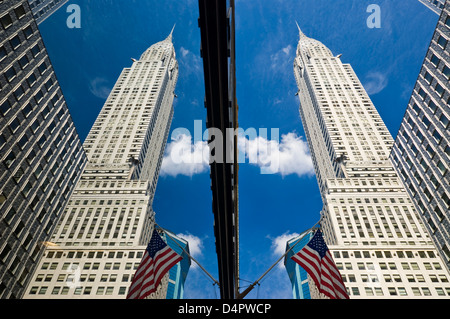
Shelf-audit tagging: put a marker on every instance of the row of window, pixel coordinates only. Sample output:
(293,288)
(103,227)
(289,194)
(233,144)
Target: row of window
(100,291)
(384,254)
(389,266)
(94,254)
(395,278)
(398,291)
(7,20)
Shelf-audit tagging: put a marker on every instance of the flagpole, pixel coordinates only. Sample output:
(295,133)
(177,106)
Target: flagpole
(250,288)
(167,232)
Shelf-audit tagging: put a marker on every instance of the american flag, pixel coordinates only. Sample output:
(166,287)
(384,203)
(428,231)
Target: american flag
(316,259)
(157,261)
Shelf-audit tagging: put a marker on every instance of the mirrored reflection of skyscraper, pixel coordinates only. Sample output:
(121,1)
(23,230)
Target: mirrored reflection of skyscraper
(100,239)
(421,153)
(377,239)
(41,156)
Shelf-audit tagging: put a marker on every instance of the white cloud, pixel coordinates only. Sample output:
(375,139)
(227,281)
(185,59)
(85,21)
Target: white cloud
(184,158)
(290,156)
(376,82)
(279,245)
(184,52)
(99,88)
(190,63)
(282,59)
(195,244)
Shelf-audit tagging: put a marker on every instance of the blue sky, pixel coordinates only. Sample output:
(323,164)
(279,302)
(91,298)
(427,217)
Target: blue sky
(273,207)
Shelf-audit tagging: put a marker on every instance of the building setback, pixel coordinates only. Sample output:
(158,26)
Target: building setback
(435,5)
(42,9)
(377,239)
(40,152)
(421,154)
(101,237)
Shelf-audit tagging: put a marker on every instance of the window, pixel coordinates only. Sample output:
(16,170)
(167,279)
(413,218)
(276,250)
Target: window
(9,160)
(439,90)
(428,77)
(42,67)
(426,121)
(446,72)
(416,291)
(31,79)
(3,53)
(392,291)
(23,61)
(6,21)
(22,142)
(122,290)
(432,106)
(442,167)
(28,32)
(437,136)
(27,110)
(10,74)
(422,93)
(435,60)
(15,42)
(442,41)
(5,107)
(355,291)
(447,21)
(19,93)
(35,50)
(402,291)
(19,11)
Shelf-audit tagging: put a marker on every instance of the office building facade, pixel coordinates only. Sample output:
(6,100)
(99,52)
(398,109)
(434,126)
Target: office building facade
(301,288)
(99,241)
(421,154)
(40,151)
(178,273)
(370,225)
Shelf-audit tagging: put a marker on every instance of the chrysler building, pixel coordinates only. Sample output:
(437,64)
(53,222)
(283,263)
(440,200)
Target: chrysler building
(377,239)
(108,222)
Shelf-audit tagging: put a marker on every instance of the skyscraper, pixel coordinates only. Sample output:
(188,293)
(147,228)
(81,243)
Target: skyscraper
(178,273)
(40,151)
(421,153)
(99,241)
(435,5)
(297,275)
(377,239)
(42,9)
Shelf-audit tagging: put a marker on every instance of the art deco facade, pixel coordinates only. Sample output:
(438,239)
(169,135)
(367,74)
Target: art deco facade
(99,241)
(377,239)
(421,153)
(40,152)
